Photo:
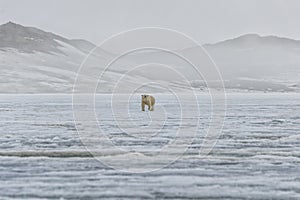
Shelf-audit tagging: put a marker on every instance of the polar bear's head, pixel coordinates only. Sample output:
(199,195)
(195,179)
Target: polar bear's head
(144,97)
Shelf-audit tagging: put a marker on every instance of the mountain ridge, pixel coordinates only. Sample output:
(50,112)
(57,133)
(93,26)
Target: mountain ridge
(36,61)
(254,37)
(29,39)
(247,36)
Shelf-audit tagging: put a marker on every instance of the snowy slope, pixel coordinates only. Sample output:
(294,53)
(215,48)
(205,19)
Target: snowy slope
(247,63)
(35,61)
(258,61)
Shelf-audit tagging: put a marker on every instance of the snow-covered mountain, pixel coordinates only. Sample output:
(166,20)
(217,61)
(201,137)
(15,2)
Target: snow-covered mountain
(29,40)
(247,63)
(258,62)
(35,61)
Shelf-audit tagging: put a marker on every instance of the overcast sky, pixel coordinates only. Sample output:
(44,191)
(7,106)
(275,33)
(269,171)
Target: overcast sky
(207,21)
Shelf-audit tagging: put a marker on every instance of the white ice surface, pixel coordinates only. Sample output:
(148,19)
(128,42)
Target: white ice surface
(257,157)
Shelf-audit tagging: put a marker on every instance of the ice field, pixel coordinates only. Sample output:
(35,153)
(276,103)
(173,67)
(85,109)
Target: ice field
(256,157)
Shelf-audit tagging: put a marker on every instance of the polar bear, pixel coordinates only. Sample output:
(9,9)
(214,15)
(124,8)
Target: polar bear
(149,101)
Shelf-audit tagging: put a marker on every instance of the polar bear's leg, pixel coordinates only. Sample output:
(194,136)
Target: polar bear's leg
(149,105)
(152,108)
(143,106)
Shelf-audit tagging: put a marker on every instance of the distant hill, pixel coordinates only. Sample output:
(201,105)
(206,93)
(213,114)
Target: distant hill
(29,39)
(35,61)
(270,61)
